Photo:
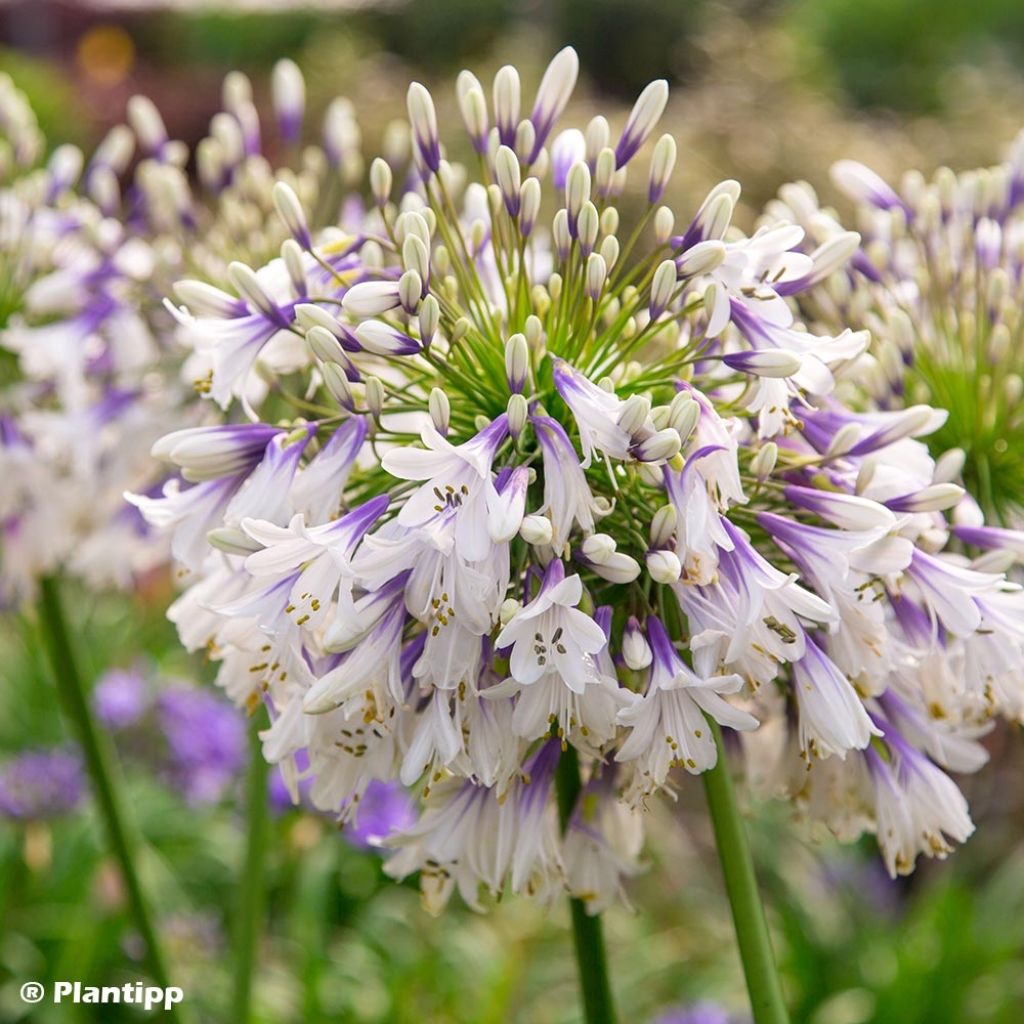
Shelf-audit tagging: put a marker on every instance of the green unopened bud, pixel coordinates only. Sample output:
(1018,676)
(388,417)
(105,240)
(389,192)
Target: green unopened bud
(518,411)
(440,410)
(683,415)
(663,525)
(374,397)
(762,465)
(233,542)
(380,181)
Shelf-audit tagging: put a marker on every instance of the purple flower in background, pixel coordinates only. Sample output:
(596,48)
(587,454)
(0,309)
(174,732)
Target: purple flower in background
(120,698)
(384,808)
(40,784)
(699,1013)
(205,739)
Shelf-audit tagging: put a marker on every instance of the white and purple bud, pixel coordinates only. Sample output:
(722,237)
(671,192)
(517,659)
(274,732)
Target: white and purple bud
(588,224)
(517,362)
(423,121)
(410,291)
(507,174)
(596,274)
(506,95)
(529,206)
(642,120)
(862,185)
(663,162)
(701,258)
(636,651)
(660,446)
(289,209)
(288,89)
(384,340)
(568,149)
(769,362)
(553,95)
(248,285)
(473,107)
(577,191)
(147,124)
(934,498)
(371,298)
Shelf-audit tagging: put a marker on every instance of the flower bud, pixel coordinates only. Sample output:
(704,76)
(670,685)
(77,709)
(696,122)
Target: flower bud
(636,652)
(587,226)
(701,258)
(536,530)
(423,121)
(518,411)
(664,224)
(381,181)
(553,95)
(529,205)
(430,315)
(663,160)
(440,410)
(506,103)
(324,345)
(663,525)
(762,465)
(517,362)
(597,271)
(664,566)
(661,446)
(663,284)
(337,384)
(644,116)
(374,397)
(370,298)
(507,174)
(410,288)
(288,90)
(562,237)
(473,107)
(232,541)
(598,547)
(633,413)
(620,568)
(577,189)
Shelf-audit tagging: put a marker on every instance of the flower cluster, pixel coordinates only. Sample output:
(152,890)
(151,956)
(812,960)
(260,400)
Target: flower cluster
(506,486)
(937,281)
(90,249)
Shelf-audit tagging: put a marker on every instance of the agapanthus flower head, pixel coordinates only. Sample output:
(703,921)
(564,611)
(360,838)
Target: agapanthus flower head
(41,784)
(533,477)
(936,279)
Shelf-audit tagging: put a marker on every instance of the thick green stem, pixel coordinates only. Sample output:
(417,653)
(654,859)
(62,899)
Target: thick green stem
(249,910)
(102,769)
(591,960)
(755,944)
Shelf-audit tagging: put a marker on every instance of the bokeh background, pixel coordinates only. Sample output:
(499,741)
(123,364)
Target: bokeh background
(765,92)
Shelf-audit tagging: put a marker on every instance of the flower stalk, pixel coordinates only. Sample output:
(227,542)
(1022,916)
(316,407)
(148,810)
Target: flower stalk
(102,770)
(588,935)
(249,909)
(752,936)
